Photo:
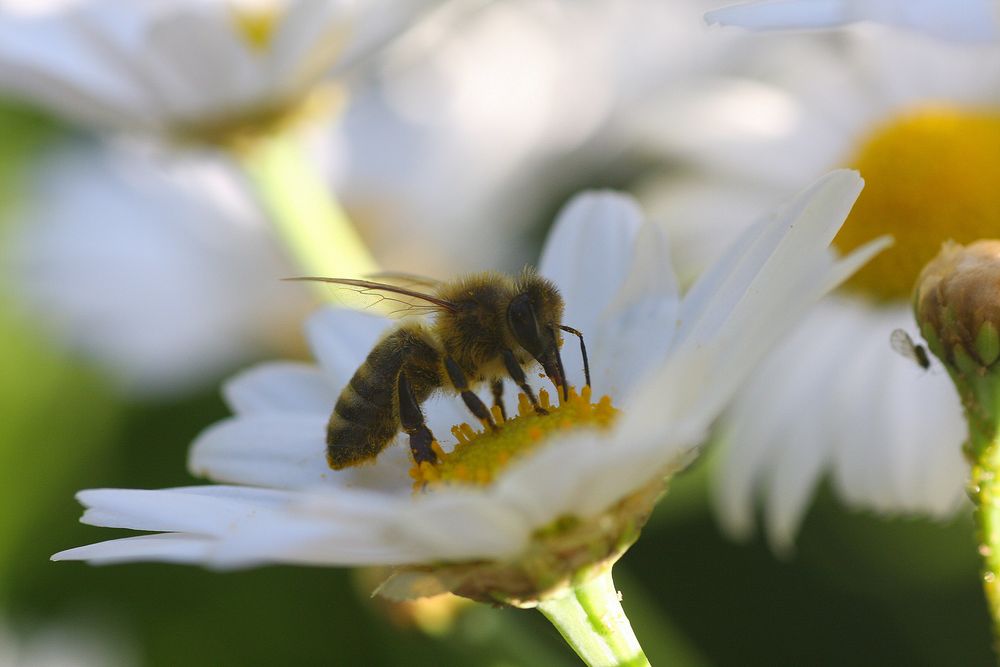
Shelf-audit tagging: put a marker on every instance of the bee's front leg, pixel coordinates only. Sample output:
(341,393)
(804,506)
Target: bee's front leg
(517,374)
(412,420)
(473,402)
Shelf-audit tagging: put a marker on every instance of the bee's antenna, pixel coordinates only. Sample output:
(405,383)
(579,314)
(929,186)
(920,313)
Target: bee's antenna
(583,350)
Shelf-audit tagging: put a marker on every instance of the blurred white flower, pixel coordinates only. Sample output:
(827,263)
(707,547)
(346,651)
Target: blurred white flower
(64,644)
(486,114)
(188,66)
(962,20)
(674,362)
(163,271)
(921,120)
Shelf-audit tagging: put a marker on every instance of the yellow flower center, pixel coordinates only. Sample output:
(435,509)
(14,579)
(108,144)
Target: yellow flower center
(256,23)
(479,455)
(930,175)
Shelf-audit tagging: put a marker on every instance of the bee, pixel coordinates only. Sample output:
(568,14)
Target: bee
(903,344)
(486,327)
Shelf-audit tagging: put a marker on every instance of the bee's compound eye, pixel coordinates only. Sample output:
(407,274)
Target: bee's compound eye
(524,324)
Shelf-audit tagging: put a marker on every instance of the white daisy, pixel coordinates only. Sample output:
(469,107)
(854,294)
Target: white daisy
(65,643)
(164,272)
(577,499)
(193,67)
(527,92)
(961,20)
(921,120)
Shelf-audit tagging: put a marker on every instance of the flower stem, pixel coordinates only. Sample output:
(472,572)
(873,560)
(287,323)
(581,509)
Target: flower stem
(590,618)
(316,231)
(984,488)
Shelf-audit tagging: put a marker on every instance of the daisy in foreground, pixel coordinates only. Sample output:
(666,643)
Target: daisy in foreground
(536,513)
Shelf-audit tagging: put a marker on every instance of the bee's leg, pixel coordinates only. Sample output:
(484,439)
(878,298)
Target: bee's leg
(412,420)
(473,402)
(497,387)
(517,374)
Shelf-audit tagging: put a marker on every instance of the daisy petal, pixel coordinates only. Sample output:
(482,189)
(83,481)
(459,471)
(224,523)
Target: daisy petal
(277,387)
(175,510)
(960,20)
(589,252)
(276,450)
(341,339)
(164,547)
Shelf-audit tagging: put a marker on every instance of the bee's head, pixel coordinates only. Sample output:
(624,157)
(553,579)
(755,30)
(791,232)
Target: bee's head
(534,315)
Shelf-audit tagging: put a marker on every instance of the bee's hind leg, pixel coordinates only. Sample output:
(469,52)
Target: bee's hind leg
(473,402)
(412,420)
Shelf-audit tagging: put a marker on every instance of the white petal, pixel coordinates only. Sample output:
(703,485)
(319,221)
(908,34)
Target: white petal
(783,14)
(858,411)
(198,64)
(962,20)
(274,450)
(750,442)
(799,232)
(341,338)
(176,510)
(288,451)
(637,328)
(128,231)
(164,547)
(701,214)
(277,387)
(742,305)
(456,525)
(589,252)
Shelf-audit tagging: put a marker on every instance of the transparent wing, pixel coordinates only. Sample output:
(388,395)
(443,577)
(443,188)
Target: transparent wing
(402,279)
(903,344)
(393,300)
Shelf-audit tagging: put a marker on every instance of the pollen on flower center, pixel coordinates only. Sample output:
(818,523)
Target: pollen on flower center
(930,175)
(480,454)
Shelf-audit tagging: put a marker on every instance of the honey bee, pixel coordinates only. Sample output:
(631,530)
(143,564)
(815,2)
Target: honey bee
(487,327)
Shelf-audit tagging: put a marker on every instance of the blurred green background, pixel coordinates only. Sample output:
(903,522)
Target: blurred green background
(860,590)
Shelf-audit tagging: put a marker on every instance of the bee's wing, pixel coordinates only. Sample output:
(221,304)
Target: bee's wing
(401,279)
(903,344)
(411,302)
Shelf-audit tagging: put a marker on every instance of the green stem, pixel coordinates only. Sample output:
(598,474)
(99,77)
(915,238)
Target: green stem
(591,620)
(981,402)
(985,491)
(314,228)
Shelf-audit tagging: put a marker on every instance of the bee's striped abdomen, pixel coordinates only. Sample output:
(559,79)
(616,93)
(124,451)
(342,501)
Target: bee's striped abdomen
(366,417)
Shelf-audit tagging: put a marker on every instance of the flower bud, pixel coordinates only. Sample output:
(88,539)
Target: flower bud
(957,304)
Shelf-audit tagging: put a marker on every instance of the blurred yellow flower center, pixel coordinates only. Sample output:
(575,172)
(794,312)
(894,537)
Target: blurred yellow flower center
(479,455)
(257,23)
(930,175)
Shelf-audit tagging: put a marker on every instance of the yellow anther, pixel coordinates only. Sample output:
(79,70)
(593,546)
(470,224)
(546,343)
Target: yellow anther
(478,456)
(497,414)
(930,176)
